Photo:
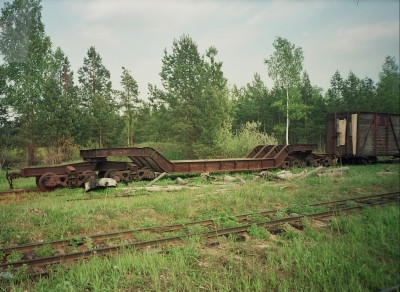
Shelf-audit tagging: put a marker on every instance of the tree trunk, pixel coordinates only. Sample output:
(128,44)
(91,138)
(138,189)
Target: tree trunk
(100,138)
(31,153)
(287,116)
(130,136)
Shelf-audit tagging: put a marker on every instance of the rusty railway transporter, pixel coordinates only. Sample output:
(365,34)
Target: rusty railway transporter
(146,162)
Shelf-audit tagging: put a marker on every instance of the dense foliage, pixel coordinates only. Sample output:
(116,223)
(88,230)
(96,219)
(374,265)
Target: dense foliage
(42,105)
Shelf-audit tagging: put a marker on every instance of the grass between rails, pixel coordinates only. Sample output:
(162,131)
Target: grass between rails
(357,253)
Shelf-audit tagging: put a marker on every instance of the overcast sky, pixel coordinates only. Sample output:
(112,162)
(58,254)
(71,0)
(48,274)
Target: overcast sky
(342,35)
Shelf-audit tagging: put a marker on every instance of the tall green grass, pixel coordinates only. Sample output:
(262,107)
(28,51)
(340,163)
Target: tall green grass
(357,253)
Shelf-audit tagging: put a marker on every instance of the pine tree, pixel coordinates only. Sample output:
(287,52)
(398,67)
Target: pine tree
(194,97)
(25,50)
(100,108)
(388,87)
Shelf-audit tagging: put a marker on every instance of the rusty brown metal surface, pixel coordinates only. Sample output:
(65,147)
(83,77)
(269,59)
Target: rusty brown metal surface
(262,157)
(61,169)
(146,161)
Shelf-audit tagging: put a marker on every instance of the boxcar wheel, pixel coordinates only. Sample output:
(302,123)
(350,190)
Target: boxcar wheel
(48,182)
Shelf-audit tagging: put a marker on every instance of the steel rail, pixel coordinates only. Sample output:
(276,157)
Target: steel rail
(96,238)
(16,192)
(57,244)
(38,265)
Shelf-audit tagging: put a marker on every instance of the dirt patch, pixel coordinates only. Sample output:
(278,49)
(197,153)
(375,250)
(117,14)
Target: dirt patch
(356,191)
(11,199)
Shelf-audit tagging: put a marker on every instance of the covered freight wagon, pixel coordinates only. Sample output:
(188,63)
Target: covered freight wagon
(362,136)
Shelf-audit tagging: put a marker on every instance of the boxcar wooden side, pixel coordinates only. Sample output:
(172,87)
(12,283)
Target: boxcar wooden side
(359,135)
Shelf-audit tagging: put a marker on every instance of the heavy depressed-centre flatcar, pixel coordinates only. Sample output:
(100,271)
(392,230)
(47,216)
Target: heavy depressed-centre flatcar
(352,136)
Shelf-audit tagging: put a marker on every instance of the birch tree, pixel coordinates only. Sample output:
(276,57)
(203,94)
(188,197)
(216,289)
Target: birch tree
(284,66)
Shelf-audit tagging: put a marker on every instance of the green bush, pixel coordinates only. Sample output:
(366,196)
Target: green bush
(169,150)
(13,157)
(241,143)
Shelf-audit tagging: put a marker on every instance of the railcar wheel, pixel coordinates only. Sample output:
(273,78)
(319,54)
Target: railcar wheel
(114,174)
(285,164)
(101,174)
(48,182)
(326,162)
(297,163)
(86,176)
(315,162)
(89,174)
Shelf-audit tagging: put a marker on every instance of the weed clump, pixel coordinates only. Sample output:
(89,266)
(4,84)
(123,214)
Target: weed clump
(258,232)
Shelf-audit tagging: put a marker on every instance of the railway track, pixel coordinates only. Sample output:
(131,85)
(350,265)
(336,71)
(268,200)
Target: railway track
(37,258)
(19,191)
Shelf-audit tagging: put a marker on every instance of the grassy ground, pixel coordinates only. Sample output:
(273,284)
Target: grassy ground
(356,253)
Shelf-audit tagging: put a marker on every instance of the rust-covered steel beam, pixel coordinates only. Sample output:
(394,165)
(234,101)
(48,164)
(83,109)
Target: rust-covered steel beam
(261,157)
(60,169)
(146,161)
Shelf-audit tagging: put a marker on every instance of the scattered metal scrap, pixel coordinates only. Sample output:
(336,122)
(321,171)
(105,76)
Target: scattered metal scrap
(319,171)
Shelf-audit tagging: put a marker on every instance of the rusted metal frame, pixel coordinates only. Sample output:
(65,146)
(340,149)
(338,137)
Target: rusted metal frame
(38,171)
(271,151)
(254,151)
(112,165)
(160,160)
(136,154)
(261,150)
(264,151)
(281,155)
(281,152)
(157,161)
(154,164)
(196,166)
(137,161)
(150,157)
(10,177)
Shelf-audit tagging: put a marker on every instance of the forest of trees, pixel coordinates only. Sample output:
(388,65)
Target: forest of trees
(43,105)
